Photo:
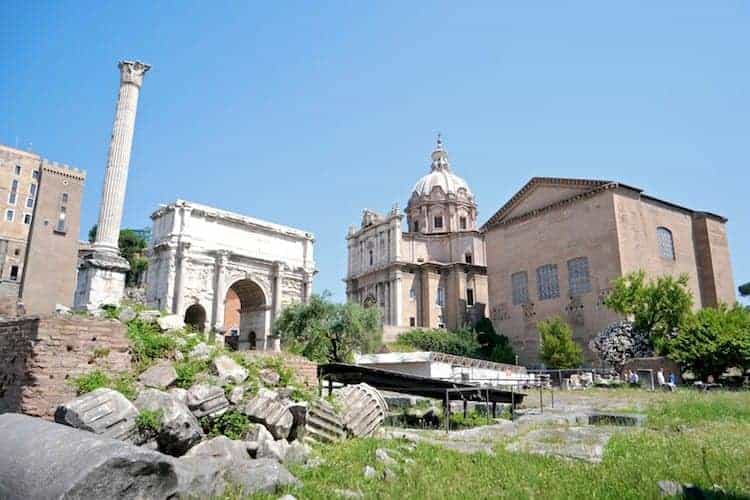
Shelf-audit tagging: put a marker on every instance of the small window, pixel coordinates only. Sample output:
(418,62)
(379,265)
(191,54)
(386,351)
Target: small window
(371,258)
(416,226)
(412,321)
(547,282)
(17,252)
(35,175)
(18,169)
(578,276)
(12,198)
(441,296)
(462,222)
(469,297)
(30,202)
(14,273)
(9,215)
(65,197)
(520,285)
(438,222)
(32,189)
(666,243)
(60,228)
(27,219)
(468,258)
(412,294)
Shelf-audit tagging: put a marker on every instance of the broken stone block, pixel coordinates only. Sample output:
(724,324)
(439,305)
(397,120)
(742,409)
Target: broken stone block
(228,370)
(41,459)
(669,489)
(266,408)
(220,447)
(297,454)
(102,411)
(299,415)
(324,423)
(204,477)
(236,395)
(180,429)
(170,322)
(205,399)
(269,377)
(259,433)
(179,394)
(276,450)
(201,352)
(363,409)
(159,376)
(126,314)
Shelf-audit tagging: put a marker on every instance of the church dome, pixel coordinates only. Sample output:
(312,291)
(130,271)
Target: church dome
(441,176)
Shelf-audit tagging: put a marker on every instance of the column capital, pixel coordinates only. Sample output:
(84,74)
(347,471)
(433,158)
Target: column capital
(222,256)
(132,72)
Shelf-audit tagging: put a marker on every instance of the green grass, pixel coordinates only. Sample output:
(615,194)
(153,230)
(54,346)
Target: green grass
(149,420)
(95,379)
(712,448)
(188,370)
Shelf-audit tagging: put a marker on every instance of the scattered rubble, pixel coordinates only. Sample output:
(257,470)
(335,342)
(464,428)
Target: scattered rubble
(201,352)
(269,377)
(205,399)
(324,423)
(170,322)
(267,409)
(363,409)
(228,370)
(220,447)
(159,376)
(179,428)
(102,411)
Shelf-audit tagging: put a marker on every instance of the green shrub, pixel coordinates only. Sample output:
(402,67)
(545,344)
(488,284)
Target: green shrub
(149,421)
(187,371)
(493,347)
(713,340)
(472,419)
(458,342)
(232,424)
(90,381)
(148,343)
(124,383)
(111,311)
(558,350)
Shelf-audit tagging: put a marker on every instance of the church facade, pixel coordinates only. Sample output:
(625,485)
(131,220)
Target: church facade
(428,271)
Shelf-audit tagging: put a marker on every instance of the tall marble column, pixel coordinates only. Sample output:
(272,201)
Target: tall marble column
(219,298)
(101,275)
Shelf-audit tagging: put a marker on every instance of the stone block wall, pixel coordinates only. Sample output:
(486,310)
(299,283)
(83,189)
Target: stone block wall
(39,357)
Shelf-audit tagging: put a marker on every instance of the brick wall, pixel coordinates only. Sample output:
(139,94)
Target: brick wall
(39,358)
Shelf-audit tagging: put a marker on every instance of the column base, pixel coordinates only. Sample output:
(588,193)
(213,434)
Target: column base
(101,281)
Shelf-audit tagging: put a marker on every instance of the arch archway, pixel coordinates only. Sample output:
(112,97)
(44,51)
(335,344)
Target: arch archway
(195,316)
(247,309)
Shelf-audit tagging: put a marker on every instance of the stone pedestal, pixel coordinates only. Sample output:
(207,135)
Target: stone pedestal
(101,281)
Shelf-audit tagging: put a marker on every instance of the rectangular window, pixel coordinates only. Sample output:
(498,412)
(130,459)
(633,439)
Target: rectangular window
(14,273)
(469,297)
(13,194)
(65,197)
(9,215)
(32,189)
(462,222)
(547,282)
(30,202)
(520,284)
(412,321)
(18,169)
(441,296)
(412,294)
(35,175)
(578,276)
(468,258)
(438,222)
(12,198)
(27,219)
(60,227)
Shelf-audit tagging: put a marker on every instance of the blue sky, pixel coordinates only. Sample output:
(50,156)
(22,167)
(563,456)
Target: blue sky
(304,113)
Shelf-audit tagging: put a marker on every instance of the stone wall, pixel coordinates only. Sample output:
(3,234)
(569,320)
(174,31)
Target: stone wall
(40,357)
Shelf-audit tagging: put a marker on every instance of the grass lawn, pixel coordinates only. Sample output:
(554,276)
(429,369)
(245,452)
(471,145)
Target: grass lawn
(690,437)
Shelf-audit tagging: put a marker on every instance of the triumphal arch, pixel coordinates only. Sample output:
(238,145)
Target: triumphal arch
(225,271)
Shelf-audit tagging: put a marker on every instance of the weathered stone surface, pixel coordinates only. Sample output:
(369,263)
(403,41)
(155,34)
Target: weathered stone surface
(220,447)
(126,314)
(369,472)
(297,454)
(204,477)
(382,455)
(236,395)
(179,394)
(267,409)
(611,418)
(299,420)
(669,488)
(584,443)
(269,377)
(276,450)
(204,399)
(159,376)
(620,342)
(180,429)
(40,459)
(324,423)
(149,315)
(201,351)
(102,411)
(170,322)
(258,433)
(228,370)
(363,409)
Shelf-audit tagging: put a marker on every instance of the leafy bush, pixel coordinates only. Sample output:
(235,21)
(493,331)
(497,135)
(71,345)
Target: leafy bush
(323,331)
(187,370)
(232,424)
(558,350)
(713,340)
(457,342)
(472,419)
(494,347)
(658,307)
(96,379)
(149,421)
(148,343)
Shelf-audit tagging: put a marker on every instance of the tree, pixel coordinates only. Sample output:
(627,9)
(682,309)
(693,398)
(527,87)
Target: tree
(326,332)
(713,340)
(92,233)
(658,307)
(493,346)
(131,248)
(745,289)
(558,350)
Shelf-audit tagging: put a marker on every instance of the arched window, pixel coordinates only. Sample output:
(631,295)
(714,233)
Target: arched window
(666,243)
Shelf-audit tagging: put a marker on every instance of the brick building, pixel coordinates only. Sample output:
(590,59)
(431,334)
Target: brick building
(555,247)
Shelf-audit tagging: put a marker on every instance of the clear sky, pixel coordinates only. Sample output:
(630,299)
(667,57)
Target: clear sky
(305,113)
